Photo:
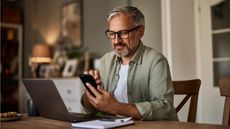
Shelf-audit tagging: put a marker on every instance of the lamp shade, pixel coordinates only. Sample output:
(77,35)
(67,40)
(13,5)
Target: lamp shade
(41,54)
(41,50)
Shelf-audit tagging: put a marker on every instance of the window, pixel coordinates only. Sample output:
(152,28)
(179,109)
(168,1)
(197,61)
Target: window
(221,40)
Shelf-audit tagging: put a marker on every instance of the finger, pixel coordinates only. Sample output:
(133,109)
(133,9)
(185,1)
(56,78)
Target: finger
(97,77)
(86,90)
(91,72)
(86,72)
(93,90)
(92,102)
(90,98)
(96,74)
(88,94)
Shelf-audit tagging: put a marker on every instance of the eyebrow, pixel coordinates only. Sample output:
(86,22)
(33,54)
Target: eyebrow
(126,29)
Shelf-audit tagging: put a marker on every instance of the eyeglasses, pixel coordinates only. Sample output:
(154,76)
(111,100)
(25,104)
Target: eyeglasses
(123,34)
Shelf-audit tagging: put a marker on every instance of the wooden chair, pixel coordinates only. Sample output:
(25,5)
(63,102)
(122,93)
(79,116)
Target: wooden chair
(190,88)
(224,85)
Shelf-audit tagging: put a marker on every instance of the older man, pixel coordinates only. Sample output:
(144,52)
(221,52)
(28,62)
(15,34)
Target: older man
(133,80)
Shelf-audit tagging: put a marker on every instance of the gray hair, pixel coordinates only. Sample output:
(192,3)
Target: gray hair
(133,12)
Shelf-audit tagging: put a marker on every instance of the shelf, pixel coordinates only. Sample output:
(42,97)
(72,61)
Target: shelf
(11,55)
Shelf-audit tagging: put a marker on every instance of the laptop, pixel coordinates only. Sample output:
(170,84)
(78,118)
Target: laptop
(49,102)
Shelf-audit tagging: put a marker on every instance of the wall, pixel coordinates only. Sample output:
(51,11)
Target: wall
(152,11)
(183,37)
(95,25)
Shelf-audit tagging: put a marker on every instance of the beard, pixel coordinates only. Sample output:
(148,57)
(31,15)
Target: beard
(123,53)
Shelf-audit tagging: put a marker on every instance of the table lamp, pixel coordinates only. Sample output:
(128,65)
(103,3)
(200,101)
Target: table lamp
(40,54)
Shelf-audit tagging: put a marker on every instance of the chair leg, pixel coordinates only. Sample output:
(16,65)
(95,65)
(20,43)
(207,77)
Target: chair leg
(226,114)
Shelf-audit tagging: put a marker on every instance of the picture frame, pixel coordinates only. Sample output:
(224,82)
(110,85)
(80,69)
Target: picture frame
(43,72)
(71,23)
(48,70)
(70,68)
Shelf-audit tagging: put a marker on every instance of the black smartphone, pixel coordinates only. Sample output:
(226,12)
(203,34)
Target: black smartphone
(86,78)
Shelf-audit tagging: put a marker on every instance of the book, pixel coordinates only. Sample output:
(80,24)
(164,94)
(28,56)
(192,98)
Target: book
(104,123)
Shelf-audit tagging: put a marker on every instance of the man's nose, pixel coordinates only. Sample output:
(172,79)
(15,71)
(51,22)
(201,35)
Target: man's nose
(117,39)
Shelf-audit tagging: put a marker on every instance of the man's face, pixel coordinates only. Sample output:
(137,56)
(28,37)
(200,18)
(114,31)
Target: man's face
(125,47)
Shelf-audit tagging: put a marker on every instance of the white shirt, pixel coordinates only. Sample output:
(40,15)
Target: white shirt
(121,90)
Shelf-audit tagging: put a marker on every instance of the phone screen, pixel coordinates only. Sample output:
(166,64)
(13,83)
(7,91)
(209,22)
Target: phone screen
(86,78)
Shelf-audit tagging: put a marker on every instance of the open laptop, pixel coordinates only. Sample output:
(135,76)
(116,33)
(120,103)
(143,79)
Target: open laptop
(49,102)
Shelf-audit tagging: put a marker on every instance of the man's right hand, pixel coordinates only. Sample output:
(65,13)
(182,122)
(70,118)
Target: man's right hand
(96,75)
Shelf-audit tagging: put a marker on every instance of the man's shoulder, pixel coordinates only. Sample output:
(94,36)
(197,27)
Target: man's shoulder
(152,53)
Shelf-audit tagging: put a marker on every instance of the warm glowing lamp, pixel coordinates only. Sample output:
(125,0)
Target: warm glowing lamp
(40,54)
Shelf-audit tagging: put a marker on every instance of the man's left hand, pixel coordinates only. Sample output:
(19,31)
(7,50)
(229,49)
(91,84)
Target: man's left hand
(103,100)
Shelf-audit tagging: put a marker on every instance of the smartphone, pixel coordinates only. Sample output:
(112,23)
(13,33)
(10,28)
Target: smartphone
(86,78)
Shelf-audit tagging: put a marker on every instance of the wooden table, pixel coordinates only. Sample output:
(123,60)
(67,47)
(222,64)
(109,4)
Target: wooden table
(42,123)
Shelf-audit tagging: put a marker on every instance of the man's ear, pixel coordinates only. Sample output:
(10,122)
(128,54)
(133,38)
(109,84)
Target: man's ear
(141,31)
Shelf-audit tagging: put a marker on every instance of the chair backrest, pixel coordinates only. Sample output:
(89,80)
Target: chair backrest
(189,88)
(224,85)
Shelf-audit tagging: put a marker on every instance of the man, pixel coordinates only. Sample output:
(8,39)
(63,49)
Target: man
(133,80)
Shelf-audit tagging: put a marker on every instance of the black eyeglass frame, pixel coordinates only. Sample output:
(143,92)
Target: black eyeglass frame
(120,32)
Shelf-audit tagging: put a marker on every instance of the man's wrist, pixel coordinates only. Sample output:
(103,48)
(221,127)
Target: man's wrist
(126,110)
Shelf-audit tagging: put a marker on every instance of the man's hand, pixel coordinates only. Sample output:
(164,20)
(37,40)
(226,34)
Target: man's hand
(96,76)
(103,100)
